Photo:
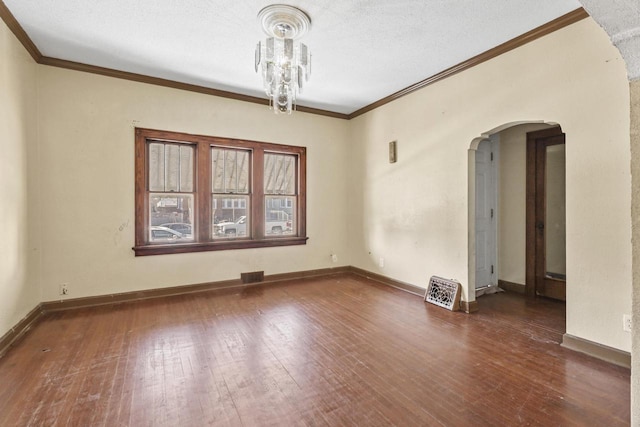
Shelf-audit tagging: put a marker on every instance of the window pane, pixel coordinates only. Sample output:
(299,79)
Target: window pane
(243,172)
(156,167)
(230,216)
(230,171)
(172,167)
(170,218)
(186,168)
(280,215)
(279,174)
(231,174)
(217,170)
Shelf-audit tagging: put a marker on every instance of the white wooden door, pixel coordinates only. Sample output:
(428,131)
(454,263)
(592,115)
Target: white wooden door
(486,214)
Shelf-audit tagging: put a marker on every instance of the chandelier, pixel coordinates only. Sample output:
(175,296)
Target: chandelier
(285,64)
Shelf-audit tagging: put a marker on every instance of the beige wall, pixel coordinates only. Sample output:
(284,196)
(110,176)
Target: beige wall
(512,200)
(19,291)
(86,127)
(414,212)
(635,169)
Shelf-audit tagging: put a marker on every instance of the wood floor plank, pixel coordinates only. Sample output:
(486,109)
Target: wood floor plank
(339,350)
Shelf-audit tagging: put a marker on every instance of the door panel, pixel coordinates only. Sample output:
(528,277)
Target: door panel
(546,234)
(486,250)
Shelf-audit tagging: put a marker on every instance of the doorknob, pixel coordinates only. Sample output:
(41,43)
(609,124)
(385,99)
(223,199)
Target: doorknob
(540,225)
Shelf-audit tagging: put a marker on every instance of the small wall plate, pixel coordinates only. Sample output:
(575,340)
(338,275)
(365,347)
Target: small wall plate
(393,152)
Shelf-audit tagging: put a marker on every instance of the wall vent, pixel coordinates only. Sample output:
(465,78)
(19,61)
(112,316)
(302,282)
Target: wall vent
(253,277)
(443,293)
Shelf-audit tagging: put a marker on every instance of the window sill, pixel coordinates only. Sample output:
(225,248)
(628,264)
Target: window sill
(182,248)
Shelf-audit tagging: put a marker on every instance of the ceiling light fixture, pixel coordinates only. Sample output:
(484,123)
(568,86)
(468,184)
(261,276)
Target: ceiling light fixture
(285,65)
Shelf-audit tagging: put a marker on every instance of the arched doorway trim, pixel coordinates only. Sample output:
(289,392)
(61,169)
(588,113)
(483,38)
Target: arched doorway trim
(469,291)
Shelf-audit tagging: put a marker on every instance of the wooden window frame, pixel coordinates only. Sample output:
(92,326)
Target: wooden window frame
(203,194)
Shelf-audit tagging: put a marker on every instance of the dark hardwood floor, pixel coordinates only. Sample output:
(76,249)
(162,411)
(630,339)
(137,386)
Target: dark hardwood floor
(321,352)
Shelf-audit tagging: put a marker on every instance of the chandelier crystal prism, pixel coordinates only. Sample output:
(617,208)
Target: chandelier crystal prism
(285,63)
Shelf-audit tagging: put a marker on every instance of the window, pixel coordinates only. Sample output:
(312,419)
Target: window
(200,193)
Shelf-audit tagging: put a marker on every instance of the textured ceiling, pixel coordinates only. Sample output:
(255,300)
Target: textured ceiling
(621,20)
(362,50)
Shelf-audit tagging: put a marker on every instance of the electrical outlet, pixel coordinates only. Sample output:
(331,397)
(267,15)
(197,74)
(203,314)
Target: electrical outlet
(381,262)
(64,289)
(626,323)
(334,258)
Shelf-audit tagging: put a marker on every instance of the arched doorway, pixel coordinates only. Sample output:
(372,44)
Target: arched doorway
(508,259)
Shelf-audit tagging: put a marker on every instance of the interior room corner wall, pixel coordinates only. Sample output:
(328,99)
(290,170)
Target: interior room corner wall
(86,126)
(19,289)
(413,213)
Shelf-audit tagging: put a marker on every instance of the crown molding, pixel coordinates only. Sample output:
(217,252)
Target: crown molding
(141,78)
(536,33)
(551,26)
(19,32)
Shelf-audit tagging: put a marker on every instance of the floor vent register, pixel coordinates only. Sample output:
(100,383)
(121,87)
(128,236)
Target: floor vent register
(443,293)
